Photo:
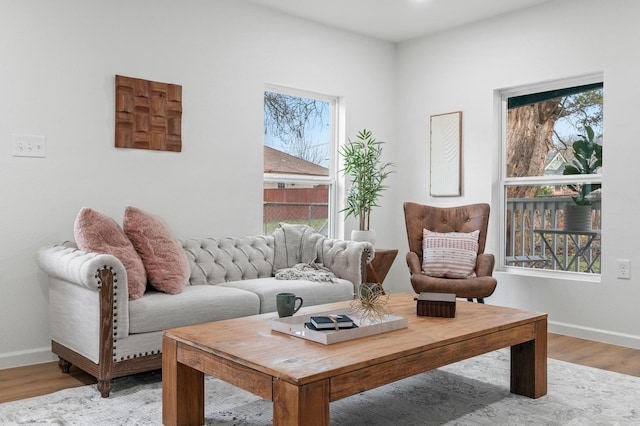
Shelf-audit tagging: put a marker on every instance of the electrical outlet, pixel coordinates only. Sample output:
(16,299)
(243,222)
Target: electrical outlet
(28,146)
(624,269)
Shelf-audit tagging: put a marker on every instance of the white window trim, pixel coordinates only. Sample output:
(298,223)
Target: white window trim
(505,181)
(274,177)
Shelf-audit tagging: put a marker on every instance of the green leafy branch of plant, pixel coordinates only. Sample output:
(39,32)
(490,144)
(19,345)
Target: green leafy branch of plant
(587,160)
(363,163)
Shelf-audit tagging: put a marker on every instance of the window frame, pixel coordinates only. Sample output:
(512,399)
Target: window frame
(502,97)
(331,179)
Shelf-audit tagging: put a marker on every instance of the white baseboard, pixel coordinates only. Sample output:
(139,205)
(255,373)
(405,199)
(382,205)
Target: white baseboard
(29,357)
(604,336)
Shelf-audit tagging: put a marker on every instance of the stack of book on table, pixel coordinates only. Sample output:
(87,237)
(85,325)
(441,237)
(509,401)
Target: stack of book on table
(330,322)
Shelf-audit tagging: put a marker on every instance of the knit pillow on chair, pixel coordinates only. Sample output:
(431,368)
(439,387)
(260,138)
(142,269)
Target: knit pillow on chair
(449,255)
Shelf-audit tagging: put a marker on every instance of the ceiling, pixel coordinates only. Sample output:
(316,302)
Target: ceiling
(396,20)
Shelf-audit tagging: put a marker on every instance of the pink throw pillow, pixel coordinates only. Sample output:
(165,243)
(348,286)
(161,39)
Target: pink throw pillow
(162,254)
(98,233)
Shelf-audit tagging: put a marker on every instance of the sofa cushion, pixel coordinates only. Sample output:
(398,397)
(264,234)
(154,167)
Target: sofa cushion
(217,260)
(196,304)
(449,255)
(162,255)
(313,293)
(95,232)
(295,244)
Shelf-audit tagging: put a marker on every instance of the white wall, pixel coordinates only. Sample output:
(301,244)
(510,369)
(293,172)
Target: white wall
(463,69)
(57,66)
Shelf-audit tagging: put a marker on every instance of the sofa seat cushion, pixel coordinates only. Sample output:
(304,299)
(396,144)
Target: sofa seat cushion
(313,293)
(196,304)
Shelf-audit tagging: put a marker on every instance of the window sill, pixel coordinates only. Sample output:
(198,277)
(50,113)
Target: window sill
(558,275)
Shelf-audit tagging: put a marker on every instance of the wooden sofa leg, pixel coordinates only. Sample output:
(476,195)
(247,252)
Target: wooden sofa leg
(104,386)
(65,366)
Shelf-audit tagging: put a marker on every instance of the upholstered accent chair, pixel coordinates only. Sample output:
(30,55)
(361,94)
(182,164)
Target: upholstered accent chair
(462,219)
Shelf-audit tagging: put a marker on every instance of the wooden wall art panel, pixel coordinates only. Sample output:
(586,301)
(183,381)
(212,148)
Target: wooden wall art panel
(148,114)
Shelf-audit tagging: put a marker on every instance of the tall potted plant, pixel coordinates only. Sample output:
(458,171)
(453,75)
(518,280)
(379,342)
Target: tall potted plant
(587,160)
(363,164)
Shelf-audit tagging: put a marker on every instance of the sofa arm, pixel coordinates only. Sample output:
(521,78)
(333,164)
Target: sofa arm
(68,263)
(86,291)
(347,259)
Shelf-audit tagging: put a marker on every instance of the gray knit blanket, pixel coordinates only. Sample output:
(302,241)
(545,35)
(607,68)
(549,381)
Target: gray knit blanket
(308,272)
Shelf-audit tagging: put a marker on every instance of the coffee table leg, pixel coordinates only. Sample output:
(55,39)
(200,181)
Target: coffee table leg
(529,364)
(182,389)
(300,405)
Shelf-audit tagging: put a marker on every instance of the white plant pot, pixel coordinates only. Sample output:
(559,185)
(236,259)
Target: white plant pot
(369,236)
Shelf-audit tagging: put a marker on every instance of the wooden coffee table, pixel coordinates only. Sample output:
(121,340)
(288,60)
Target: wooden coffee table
(302,377)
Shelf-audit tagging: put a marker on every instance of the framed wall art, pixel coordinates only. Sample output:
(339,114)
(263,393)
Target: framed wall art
(446,145)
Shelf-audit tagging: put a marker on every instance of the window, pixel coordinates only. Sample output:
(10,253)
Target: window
(299,170)
(552,176)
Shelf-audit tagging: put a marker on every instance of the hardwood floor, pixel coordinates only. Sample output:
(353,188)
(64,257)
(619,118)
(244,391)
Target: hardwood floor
(594,354)
(41,379)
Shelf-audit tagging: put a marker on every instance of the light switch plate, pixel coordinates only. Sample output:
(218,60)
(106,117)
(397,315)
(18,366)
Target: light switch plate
(28,146)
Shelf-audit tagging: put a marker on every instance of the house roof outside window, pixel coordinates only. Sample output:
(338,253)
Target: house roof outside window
(278,162)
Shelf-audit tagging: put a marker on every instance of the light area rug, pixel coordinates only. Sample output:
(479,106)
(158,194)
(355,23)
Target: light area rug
(470,392)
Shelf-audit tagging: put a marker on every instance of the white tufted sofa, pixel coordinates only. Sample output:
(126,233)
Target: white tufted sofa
(95,326)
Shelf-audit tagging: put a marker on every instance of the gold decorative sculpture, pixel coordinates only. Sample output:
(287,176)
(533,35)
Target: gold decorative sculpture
(371,303)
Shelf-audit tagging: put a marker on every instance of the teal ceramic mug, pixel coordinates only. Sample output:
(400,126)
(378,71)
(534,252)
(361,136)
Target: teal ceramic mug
(286,304)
